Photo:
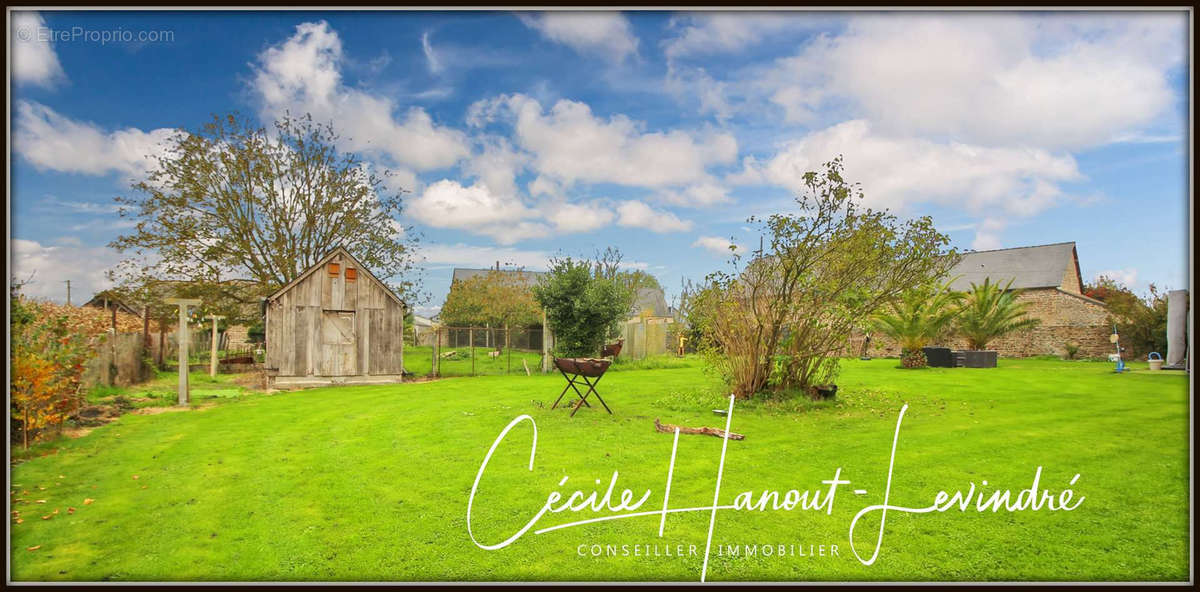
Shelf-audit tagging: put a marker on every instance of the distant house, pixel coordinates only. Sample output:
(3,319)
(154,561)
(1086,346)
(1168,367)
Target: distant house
(527,279)
(107,300)
(650,302)
(336,323)
(1051,285)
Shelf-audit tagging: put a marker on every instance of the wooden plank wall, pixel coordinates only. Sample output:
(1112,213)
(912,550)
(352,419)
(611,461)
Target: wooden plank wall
(294,325)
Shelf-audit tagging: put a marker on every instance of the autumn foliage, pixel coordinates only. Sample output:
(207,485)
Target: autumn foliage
(48,354)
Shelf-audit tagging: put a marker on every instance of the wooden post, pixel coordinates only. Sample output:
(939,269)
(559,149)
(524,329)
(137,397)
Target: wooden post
(508,348)
(183,303)
(437,342)
(471,339)
(212,363)
(545,344)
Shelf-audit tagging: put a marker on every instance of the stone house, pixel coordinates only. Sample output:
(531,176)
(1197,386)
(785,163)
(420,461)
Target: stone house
(1050,282)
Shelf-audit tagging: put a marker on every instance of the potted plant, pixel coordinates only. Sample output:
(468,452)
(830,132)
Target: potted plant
(918,317)
(990,311)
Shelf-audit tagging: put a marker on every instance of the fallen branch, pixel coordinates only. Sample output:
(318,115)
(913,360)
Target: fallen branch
(667,428)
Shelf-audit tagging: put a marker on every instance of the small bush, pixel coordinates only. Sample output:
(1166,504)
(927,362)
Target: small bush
(1072,350)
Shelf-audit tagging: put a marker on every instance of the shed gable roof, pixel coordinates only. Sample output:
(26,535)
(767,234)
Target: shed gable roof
(320,264)
(1041,266)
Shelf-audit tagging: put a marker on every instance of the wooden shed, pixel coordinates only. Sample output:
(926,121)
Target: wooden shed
(336,323)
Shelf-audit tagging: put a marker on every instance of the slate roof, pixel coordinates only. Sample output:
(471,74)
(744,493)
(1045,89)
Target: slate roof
(528,278)
(1041,266)
(652,299)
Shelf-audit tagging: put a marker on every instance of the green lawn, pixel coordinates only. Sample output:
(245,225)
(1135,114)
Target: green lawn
(371,483)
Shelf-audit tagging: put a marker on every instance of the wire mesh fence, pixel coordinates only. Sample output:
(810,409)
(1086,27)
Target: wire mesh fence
(200,348)
(475,351)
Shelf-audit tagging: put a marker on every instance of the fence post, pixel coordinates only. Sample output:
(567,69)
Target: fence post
(437,342)
(545,344)
(471,338)
(212,360)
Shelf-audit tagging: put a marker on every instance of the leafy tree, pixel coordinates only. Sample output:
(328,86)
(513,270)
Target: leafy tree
(236,200)
(1141,320)
(778,322)
(583,308)
(497,299)
(607,265)
(991,311)
(920,316)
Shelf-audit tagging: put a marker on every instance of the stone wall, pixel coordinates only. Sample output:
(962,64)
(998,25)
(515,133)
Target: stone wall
(1066,318)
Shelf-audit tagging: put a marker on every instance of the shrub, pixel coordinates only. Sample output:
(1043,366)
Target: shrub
(990,312)
(583,308)
(1072,350)
(1141,320)
(47,357)
(779,322)
(918,317)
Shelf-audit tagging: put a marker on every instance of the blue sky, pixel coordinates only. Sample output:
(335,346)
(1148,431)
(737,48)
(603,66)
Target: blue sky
(523,135)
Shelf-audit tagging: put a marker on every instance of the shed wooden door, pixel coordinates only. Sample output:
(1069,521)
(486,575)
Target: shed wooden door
(339,343)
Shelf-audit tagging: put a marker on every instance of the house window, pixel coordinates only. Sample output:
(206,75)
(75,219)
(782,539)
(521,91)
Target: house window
(334,270)
(351,274)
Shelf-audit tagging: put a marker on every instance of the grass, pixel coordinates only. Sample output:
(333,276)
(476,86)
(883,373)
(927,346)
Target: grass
(371,482)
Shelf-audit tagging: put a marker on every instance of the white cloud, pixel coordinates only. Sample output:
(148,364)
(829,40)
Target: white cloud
(52,203)
(702,194)
(636,214)
(431,58)
(1127,276)
(729,32)
(496,165)
(33,58)
(570,218)
(463,255)
(569,144)
(52,265)
(897,172)
(303,75)
(717,245)
(987,234)
(694,84)
(477,209)
(605,33)
(1065,80)
(50,141)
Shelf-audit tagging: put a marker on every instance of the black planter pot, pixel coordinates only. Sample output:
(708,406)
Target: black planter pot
(977,358)
(938,357)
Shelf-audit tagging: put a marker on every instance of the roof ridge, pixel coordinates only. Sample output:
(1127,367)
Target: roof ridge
(1024,247)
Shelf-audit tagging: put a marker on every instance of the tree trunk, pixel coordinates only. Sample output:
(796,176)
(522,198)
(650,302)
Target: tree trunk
(667,428)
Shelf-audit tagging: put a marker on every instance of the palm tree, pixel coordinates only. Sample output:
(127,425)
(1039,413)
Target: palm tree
(991,311)
(920,316)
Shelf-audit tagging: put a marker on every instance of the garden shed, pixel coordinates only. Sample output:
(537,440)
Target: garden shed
(336,323)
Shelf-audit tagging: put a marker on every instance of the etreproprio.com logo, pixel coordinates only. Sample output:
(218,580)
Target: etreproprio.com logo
(86,35)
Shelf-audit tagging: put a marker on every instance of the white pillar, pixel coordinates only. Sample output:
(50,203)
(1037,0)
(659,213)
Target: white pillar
(1177,323)
(183,344)
(212,364)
